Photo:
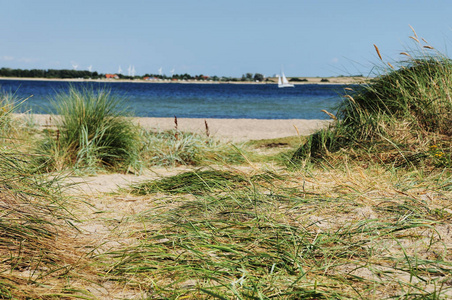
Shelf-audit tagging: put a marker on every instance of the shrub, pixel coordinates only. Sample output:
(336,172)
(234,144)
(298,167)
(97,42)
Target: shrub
(296,79)
(92,131)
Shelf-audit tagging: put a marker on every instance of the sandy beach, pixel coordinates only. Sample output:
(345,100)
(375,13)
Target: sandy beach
(271,80)
(234,130)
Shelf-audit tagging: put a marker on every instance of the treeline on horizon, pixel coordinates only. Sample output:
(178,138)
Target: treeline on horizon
(85,74)
(50,73)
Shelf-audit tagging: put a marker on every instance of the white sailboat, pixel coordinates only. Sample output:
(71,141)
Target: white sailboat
(283,82)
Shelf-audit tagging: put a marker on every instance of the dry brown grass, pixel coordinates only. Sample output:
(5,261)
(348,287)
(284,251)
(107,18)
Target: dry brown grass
(384,232)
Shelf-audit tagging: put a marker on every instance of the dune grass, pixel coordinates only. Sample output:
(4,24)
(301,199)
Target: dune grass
(12,131)
(7,107)
(191,182)
(37,255)
(342,232)
(333,231)
(92,132)
(34,253)
(398,117)
(174,147)
(298,236)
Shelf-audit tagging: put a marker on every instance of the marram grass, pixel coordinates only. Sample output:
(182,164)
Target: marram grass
(92,132)
(275,237)
(397,116)
(36,251)
(11,131)
(196,182)
(175,147)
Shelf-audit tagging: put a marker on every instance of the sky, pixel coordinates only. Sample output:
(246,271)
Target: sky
(218,37)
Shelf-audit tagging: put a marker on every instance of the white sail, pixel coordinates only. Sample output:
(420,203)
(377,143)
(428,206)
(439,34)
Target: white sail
(283,82)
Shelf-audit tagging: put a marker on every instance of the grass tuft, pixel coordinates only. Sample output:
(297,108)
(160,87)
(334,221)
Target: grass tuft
(198,182)
(174,147)
(92,132)
(10,126)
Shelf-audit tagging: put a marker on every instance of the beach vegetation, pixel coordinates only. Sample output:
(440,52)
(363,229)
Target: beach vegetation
(274,151)
(229,234)
(296,79)
(8,105)
(175,147)
(396,117)
(192,182)
(16,130)
(37,254)
(278,143)
(92,131)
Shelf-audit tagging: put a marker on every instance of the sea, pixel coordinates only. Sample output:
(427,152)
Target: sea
(192,100)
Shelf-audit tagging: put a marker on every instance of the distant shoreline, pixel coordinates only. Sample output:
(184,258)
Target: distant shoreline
(310,80)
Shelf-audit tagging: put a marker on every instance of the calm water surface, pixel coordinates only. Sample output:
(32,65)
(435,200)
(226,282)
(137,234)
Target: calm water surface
(249,101)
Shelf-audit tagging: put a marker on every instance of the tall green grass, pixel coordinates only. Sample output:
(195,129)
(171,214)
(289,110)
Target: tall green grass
(92,132)
(397,116)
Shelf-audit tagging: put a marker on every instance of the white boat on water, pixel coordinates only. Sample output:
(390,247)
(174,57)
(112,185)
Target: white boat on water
(283,82)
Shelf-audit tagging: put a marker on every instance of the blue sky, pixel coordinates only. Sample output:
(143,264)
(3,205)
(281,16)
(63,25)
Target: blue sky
(211,37)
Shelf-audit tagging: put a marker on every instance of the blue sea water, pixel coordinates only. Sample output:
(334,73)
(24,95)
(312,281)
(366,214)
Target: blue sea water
(249,101)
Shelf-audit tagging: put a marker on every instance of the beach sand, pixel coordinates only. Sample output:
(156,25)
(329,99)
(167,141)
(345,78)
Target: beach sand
(236,130)
(271,80)
(229,130)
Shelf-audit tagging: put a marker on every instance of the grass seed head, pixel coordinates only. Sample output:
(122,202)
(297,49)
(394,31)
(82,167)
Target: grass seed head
(412,29)
(414,38)
(378,52)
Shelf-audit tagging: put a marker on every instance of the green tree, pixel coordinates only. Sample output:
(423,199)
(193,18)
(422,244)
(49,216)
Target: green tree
(258,77)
